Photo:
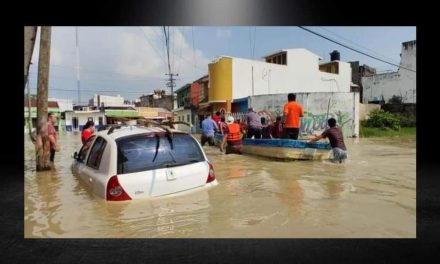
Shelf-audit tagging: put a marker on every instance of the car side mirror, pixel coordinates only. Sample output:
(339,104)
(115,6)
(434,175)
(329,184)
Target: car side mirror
(75,155)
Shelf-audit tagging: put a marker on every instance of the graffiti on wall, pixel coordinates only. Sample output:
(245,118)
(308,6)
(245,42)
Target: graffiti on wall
(318,108)
(312,122)
(317,122)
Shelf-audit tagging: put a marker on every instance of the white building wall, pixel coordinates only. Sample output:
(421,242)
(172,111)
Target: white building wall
(301,74)
(182,115)
(63,104)
(83,117)
(318,107)
(400,83)
(107,100)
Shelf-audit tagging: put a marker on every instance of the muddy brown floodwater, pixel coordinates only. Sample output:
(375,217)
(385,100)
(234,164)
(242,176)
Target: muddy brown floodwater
(372,195)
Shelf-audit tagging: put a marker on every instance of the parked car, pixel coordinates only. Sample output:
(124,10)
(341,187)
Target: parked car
(134,162)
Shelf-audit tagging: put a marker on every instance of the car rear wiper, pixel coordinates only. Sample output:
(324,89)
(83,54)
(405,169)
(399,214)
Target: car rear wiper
(157,147)
(170,138)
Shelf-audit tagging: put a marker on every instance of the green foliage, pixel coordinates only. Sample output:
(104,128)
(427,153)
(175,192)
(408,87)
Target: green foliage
(407,120)
(405,132)
(381,119)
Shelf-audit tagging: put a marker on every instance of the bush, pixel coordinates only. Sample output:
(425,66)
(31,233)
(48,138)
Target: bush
(407,120)
(381,119)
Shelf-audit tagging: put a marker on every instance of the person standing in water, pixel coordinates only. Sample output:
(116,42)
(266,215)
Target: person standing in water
(336,138)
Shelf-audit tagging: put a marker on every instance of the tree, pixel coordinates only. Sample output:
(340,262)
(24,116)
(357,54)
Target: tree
(30,33)
(42,143)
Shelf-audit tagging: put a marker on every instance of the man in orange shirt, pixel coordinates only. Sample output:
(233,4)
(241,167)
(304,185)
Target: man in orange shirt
(292,114)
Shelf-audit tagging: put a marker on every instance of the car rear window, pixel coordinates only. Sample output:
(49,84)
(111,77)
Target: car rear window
(154,151)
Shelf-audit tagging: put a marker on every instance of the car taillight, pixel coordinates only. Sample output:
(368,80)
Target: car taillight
(115,192)
(211,175)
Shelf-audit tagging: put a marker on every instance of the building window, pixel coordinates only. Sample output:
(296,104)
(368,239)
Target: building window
(187,118)
(283,59)
(90,119)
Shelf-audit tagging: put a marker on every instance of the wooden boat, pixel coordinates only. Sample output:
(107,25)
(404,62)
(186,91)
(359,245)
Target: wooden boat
(287,149)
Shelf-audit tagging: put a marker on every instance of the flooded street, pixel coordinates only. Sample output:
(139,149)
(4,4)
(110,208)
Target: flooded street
(372,195)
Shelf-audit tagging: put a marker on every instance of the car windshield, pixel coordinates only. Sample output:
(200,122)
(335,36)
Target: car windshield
(154,151)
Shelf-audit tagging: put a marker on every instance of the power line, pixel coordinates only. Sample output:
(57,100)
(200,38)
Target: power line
(157,52)
(255,41)
(252,40)
(77,65)
(174,34)
(88,90)
(98,71)
(194,50)
(345,46)
(180,49)
(98,79)
(358,44)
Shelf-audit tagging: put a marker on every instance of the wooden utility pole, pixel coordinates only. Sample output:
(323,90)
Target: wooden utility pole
(42,144)
(30,34)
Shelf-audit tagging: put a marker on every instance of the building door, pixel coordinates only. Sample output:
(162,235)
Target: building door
(75,122)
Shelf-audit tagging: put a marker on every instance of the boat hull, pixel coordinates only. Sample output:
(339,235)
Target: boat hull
(287,149)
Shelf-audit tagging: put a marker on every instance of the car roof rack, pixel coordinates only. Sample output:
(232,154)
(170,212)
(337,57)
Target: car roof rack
(144,121)
(112,128)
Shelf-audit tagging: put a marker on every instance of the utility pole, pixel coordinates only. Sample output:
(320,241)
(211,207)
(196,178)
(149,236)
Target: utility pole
(42,144)
(30,34)
(170,83)
(77,65)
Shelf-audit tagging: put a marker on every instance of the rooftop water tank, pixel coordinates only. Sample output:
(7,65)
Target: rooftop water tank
(335,56)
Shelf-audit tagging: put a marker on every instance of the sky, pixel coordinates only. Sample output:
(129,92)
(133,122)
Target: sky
(132,61)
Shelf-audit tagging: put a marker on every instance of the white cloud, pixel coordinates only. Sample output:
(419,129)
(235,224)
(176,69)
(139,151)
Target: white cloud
(138,54)
(124,54)
(56,54)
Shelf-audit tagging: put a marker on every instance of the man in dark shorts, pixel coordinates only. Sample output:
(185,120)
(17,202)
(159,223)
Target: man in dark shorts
(336,138)
(293,112)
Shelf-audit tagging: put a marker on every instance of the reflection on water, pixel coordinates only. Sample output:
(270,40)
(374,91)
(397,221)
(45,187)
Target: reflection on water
(372,195)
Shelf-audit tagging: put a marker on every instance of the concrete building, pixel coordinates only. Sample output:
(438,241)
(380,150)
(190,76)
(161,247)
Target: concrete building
(75,120)
(52,107)
(107,100)
(114,114)
(63,104)
(185,110)
(382,87)
(157,99)
(154,113)
(359,71)
(318,107)
(232,80)
(199,99)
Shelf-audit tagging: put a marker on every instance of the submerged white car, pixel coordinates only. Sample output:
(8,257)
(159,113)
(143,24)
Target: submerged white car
(134,162)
